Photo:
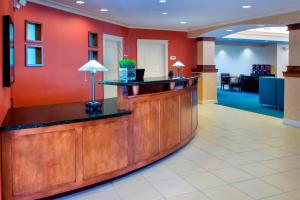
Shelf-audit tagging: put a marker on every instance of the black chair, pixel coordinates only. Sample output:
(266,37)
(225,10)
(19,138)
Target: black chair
(225,79)
(249,84)
(235,82)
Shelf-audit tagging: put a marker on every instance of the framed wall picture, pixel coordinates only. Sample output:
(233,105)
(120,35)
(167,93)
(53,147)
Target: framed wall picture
(8,52)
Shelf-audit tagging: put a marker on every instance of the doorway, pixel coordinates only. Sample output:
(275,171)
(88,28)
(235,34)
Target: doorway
(153,57)
(112,53)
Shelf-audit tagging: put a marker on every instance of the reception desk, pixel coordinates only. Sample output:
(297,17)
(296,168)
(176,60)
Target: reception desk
(50,150)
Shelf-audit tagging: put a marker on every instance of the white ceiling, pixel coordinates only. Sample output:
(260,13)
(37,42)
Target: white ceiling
(251,32)
(272,30)
(197,13)
(263,35)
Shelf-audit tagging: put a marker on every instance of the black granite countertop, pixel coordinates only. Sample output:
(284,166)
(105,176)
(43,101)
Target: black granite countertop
(146,81)
(40,116)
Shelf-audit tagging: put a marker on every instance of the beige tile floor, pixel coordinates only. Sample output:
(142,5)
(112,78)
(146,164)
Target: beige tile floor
(236,155)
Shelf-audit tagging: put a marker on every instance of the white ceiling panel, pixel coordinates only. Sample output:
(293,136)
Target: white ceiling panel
(197,13)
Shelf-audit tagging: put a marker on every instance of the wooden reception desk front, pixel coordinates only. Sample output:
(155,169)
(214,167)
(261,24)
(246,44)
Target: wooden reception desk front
(50,150)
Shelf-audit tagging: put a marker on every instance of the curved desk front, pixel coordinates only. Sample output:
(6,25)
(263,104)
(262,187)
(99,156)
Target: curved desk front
(49,150)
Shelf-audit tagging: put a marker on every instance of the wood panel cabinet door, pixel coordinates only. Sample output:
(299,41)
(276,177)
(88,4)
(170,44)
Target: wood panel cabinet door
(185,116)
(170,122)
(145,130)
(105,147)
(194,109)
(43,161)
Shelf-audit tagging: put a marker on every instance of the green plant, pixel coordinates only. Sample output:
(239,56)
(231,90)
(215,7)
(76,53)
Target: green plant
(127,63)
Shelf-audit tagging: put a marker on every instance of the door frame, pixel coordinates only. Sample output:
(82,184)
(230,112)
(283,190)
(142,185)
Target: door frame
(107,37)
(166,46)
(113,38)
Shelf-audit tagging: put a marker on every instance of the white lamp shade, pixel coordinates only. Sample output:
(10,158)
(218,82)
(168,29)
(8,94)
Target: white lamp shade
(92,66)
(178,64)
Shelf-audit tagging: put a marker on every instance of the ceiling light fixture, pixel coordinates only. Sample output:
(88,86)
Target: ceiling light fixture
(103,10)
(246,6)
(229,30)
(80,2)
(164,13)
(163,1)
(183,22)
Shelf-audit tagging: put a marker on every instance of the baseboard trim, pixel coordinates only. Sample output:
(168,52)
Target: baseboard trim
(291,122)
(208,101)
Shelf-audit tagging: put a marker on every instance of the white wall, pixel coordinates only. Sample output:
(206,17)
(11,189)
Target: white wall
(238,59)
(282,59)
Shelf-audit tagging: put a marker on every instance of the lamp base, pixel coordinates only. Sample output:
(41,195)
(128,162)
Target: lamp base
(93,106)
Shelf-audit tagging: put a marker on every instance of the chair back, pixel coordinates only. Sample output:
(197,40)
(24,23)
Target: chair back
(241,76)
(225,77)
(225,74)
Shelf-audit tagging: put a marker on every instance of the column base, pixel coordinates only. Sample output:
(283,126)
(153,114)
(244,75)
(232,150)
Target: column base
(208,101)
(291,101)
(291,122)
(207,88)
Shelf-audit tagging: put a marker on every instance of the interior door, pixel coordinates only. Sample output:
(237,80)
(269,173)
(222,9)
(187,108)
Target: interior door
(112,50)
(152,56)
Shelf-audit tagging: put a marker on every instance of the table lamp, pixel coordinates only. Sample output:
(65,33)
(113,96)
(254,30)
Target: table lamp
(93,66)
(178,65)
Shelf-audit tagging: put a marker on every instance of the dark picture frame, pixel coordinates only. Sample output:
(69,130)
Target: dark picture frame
(8,52)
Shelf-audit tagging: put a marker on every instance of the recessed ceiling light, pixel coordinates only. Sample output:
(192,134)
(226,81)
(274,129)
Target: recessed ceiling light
(229,30)
(163,1)
(103,10)
(246,6)
(183,22)
(164,13)
(80,2)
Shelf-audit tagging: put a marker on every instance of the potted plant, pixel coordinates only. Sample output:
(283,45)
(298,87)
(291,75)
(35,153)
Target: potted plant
(127,70)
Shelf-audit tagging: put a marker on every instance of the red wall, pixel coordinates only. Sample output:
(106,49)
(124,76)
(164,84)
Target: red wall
(65,38)
(179,45)
(5,93)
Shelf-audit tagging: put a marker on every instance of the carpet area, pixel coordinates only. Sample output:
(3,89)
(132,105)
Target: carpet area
(246,101)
